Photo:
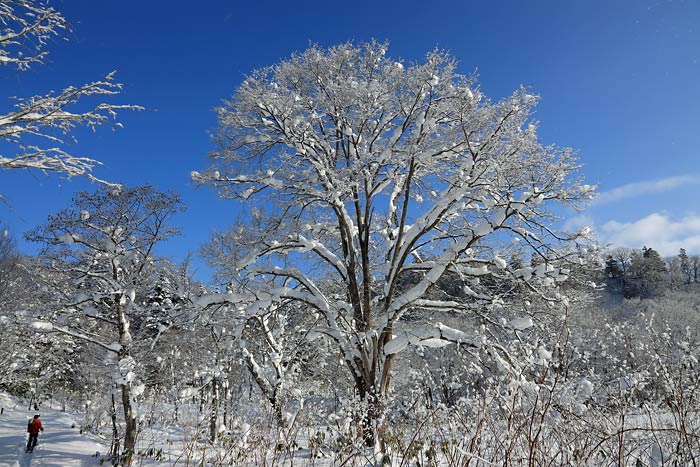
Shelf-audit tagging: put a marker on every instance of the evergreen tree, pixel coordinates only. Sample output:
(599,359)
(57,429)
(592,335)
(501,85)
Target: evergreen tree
(614,275)
(648,275)
(684,266)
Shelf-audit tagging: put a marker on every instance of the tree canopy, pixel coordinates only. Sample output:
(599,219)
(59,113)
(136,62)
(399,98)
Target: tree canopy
(362,171)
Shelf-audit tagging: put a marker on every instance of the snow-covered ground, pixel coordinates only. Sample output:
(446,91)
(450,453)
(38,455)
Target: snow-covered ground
(59,444)
(62,445)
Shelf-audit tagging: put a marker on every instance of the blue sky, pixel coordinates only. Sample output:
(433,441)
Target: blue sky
(619,81)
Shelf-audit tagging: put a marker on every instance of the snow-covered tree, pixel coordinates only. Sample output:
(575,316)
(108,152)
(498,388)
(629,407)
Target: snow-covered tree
(695,268)
(30,365)
(103,249)
(274,350)
(36,126)
(360,171)
(12,351)
(684,266)
(680,269)
(10,271)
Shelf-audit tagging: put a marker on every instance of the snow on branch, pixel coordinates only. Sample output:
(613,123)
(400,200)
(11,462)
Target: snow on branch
(439,335)
(27,26)
(42,326)
(297,275)
(296,243)
(46,117)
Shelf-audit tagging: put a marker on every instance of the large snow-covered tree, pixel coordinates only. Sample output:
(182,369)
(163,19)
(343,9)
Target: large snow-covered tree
(368,180)
(100,255)
(36,126)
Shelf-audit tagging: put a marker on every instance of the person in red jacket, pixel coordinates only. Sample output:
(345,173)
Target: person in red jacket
(34,427)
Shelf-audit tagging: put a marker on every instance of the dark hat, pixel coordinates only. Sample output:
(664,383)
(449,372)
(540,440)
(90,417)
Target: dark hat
(36,416)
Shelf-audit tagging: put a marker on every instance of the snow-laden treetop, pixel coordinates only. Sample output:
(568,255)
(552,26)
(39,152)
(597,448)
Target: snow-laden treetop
(384,177)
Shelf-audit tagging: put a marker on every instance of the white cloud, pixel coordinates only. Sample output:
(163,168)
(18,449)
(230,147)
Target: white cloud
(575,223)
(632,190)
(657,231)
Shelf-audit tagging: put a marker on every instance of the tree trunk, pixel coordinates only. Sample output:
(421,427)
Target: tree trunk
(373,394)
(114,449)
(279,414)
(214,409)
(227,398)
(129,417)
(372,422)
(202,398)
(130,430)
(172,376)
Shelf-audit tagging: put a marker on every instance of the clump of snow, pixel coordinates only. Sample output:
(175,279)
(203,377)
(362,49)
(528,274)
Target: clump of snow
(435,343)
(124,372)
(137,390)
(520,324)
(585,389)
(65,238)
(42,326)
(483,229)
(396,345)
(451,334)
(188,392)
(499,262)
(499,216)
(544,355)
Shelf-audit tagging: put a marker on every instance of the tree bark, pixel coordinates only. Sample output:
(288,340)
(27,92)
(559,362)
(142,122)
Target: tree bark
(372,423)
(279,414)
(130,430)
(129,417)
(214,409)
(114,450)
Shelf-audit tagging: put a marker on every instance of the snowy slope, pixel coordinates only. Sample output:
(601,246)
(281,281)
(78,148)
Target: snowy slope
(59,444)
